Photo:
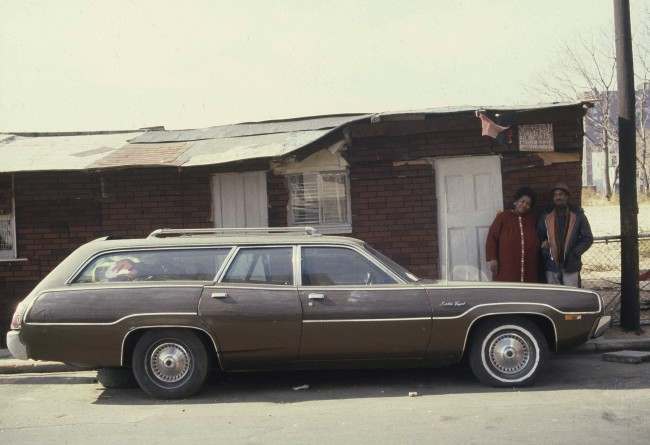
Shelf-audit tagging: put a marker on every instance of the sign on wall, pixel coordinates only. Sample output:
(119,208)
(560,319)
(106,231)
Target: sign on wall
(536,137)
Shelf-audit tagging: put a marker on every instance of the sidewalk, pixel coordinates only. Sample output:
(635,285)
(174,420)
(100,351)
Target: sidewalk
(614,339)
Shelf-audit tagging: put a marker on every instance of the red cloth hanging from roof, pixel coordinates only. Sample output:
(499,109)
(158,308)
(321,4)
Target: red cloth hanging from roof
(488,127)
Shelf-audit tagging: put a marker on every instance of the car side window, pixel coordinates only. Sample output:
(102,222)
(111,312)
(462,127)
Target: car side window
(271,265)
(323,266)
(155,265)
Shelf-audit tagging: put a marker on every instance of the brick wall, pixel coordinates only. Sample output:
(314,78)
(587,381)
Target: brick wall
(138,202)
(393,208)
(519,170)
(278,199)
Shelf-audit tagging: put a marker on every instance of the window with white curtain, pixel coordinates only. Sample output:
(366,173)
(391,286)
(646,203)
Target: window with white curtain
(320,200)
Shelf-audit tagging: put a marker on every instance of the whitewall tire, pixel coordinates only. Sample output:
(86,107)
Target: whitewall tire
(508,352)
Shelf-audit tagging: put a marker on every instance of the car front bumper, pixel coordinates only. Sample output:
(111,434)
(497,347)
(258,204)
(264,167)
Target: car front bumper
(16,346)
(602,324)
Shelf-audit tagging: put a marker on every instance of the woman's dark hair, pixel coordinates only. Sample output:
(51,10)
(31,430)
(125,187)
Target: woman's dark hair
(526,191)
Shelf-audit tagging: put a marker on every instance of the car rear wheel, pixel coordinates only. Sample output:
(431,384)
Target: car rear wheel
(170,364)
(508,352)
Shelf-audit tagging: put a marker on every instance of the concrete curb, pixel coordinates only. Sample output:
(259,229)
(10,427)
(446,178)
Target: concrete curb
(48,378)
(10,365)
(638,344)
(30,366)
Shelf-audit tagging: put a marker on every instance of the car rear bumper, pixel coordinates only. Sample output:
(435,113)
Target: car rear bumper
(16,346)
(601,326)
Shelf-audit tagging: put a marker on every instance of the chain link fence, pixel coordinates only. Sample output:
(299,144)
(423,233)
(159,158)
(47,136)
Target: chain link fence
(601,271)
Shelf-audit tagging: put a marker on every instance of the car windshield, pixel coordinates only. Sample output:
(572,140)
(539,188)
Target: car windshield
(392,265)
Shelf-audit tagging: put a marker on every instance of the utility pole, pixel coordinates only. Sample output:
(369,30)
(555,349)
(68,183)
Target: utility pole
(630,313)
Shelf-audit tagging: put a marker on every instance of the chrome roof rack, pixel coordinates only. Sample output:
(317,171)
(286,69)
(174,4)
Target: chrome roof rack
(162,233)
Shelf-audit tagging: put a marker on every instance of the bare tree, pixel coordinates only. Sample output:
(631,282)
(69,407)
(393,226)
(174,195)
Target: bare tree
(642,75)
(586,70)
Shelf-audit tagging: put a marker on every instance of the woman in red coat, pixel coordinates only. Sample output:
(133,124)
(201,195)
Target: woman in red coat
(512,246)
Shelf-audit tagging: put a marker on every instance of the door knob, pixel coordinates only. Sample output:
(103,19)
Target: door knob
(316,296)
(219,295)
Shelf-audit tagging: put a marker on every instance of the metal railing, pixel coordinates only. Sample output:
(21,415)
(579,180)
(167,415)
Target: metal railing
(601,271)
(162,233)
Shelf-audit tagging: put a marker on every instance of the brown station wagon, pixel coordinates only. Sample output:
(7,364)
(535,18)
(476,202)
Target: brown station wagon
(168,308)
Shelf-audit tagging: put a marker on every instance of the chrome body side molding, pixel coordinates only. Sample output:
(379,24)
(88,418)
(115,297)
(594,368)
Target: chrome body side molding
(109,323)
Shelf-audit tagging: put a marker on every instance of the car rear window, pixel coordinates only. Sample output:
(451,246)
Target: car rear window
(154,265)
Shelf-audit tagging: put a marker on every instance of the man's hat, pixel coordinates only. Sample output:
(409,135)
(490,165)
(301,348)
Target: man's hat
(561,186)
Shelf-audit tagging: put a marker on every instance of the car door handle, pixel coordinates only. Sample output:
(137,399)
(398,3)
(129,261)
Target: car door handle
(316,296)
(219,295)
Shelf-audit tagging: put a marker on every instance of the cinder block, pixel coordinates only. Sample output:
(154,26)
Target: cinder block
(634,357)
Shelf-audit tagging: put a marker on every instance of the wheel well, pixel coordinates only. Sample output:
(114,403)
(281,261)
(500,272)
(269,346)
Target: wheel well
(541,321)
(133,336)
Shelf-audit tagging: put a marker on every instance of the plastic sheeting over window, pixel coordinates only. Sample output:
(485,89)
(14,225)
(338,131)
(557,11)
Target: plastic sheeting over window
(319,199)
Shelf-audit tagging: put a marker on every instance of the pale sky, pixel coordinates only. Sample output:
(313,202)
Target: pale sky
(95,65)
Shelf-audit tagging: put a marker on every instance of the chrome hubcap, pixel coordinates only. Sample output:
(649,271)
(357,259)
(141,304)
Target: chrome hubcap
(170,362)
(509,353)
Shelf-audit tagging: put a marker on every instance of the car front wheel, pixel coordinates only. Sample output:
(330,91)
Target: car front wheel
(170,364)
(508,352)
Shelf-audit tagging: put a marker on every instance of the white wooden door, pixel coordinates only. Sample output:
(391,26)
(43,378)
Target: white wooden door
(240,199)
(469,197)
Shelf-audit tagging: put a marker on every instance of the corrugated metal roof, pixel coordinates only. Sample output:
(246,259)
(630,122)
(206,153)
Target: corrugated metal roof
(414,114)
(165,154)
(249,129)
(208,151)
(206,146)
(178,148)
(220,151)
(18,153)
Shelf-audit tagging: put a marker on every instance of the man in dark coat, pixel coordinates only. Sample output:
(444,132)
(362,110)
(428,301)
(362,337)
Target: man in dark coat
(565,235)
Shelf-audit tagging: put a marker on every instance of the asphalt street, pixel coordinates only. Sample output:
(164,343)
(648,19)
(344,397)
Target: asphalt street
(580,399)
